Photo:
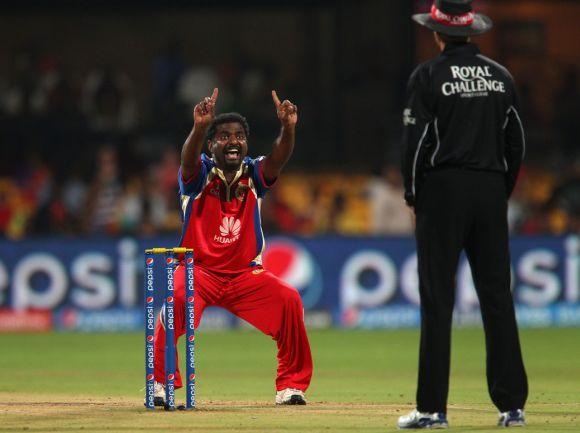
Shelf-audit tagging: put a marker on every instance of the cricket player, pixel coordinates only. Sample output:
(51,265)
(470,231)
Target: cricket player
(221,197)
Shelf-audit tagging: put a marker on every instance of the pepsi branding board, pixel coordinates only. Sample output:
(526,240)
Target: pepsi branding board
(97,285)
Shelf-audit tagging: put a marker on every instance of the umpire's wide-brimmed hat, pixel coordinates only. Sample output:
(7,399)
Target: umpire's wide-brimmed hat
(454,18)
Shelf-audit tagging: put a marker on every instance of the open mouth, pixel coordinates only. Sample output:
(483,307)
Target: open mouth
(232,154)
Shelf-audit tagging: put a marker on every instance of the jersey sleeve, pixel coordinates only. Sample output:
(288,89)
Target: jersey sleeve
(515,144)
(262,186)
(194,184)
(416,119)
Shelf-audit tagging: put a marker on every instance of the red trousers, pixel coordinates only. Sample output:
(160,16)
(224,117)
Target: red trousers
(261,299)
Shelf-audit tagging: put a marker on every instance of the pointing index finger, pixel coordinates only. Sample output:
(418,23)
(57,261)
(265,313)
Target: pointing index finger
(214,95)
(275,98)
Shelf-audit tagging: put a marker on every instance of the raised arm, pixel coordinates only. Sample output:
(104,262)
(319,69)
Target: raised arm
(284,145)
(203,115)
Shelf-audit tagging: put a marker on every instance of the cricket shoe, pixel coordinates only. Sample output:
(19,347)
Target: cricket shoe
(418,419)
(512,418)
(158,395)
(290,396)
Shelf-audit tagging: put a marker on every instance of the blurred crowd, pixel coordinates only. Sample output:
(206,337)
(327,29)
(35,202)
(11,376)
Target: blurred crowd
(90,154)
(36,203)
(39,201)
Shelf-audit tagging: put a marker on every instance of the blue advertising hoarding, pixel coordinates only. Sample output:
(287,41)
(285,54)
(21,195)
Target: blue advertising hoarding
(97,284)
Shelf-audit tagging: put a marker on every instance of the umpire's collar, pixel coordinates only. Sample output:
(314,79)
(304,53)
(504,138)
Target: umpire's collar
(460,49)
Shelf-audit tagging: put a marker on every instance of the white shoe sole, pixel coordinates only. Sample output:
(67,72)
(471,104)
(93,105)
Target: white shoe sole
(293,401)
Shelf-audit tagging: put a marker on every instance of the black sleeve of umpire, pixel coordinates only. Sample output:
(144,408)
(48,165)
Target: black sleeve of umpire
(416,119)
(515,145)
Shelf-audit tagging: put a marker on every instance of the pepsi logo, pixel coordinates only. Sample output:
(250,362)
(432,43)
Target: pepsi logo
(191,338)
(169,260)
(192,376)
(294,264)
(190,299)
(170,299)
(149,261)
(190,261)
(289,261)
(150,338)
(149,299)
(150,377)
(170,376)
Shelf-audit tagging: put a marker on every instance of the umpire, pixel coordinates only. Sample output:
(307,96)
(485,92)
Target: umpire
(462,149)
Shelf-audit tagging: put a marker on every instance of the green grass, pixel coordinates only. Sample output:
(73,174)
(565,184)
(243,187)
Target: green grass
(363,381)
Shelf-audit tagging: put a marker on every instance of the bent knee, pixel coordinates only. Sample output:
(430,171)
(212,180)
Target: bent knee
(292,298)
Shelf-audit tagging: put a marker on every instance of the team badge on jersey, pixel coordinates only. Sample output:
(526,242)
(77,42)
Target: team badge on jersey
(241,191)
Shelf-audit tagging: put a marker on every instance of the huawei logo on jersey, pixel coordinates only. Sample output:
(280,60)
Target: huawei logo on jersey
(229,231)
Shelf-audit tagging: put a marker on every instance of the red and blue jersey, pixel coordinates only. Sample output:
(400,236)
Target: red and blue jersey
(222,221)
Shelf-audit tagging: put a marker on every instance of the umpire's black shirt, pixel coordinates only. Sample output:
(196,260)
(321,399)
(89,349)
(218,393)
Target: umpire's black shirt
(461,112)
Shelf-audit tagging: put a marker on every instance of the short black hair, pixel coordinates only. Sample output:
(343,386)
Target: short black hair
(449,39)
(227,118)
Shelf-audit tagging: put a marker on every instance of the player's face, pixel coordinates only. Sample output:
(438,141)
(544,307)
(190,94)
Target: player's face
(229,145)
